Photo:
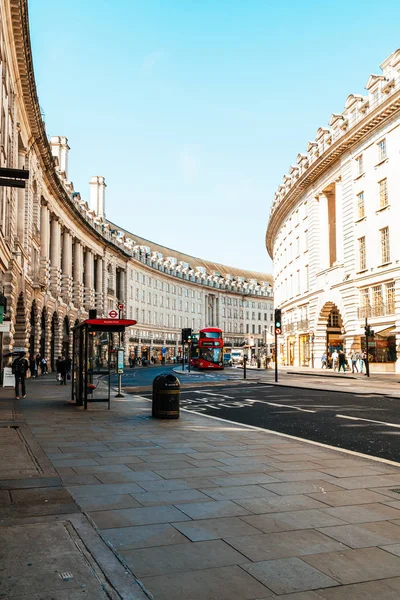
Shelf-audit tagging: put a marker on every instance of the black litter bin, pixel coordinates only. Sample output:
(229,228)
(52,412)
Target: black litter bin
(166,396)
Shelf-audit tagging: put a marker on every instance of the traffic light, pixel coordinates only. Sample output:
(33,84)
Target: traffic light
(369,332)
(186,335)
(278,321)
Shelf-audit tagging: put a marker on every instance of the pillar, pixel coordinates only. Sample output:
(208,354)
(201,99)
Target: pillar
(78,274)
(122,283)
(44,242)
(66,267)
(55,256)
(324,232)
(99,295)
(89,279)
(339,222)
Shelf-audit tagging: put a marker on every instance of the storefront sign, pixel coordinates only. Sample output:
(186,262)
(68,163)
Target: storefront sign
(164,351)
(120,360)
(8,377)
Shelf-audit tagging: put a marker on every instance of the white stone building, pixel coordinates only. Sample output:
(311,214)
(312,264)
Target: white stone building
(333,232)
(60,256)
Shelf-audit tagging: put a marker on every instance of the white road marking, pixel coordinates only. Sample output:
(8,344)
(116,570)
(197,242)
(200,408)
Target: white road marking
(288,406)
(368,421)
(213,394)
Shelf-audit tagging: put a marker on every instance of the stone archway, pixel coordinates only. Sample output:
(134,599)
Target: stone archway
(55,342)
(329,331)
(34,330)
(21,324)
(66,337)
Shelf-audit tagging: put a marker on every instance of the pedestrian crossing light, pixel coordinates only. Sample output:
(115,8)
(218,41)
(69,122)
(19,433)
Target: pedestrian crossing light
(278,321)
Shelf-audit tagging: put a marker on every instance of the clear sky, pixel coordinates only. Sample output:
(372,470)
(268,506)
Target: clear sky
(194,110)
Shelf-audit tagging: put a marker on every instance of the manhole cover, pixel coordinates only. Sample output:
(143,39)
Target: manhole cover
(396,490)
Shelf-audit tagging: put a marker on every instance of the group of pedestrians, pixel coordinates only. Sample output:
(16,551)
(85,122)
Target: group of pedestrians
(338,360)
(21,366)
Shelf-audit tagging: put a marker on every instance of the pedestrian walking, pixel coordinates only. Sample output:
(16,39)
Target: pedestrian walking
(38,360)
(354,360)
(33,367)
(360,362)
(62,370)
(364,359)
(342,361)
(44,366)
(335,360)
(323,361)
(19,369)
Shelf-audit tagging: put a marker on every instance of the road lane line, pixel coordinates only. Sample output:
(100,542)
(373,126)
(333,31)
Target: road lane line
(368,421)
(213,394)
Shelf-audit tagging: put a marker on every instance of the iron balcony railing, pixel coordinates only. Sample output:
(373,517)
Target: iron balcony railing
(377,310)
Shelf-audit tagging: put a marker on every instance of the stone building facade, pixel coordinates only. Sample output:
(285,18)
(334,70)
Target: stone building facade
(60,256)
(333,233)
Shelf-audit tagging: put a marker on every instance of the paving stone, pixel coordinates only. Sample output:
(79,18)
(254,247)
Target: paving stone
(108,519)
(165,485)
(276,504)
(286,521)
(364,513)
(208,584)
(302,476)
(145,562)
(119,460)
(102,469)
(366,534)
(137,476)
(348,497)
(211,529)
(79,480)
(41,495)
(107,489)
(143,536)
(189,471)
(287,575)
(386,589)
(171,497)
(94,503)
(302,487)
(212,509)
(369,481)
(354,566)
(268,546)
(239,491)
(74,462)
(235,480)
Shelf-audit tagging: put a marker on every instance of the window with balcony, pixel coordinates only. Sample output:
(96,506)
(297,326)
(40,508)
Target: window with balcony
(382,150)
(385,245)
(390,295)
(383,193)
(377,300)
(362,257)
(360,205)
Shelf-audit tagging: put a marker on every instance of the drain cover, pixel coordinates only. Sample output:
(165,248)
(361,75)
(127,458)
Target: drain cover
(396,490)
(66,576)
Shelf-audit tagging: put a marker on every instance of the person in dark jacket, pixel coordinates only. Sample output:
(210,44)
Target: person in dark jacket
(62,370)
(33,367)
(19,369)
(342,361)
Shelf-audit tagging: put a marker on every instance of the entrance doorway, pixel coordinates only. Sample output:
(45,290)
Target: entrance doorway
(65,339)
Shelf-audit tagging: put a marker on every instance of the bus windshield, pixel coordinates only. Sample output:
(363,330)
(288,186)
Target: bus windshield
(211,334)
(211,355)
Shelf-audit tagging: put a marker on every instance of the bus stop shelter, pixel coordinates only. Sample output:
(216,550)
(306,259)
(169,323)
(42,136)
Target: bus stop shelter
(96,356)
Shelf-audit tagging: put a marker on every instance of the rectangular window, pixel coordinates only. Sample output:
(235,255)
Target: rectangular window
(360,206)
(247,328)
(307,278)
(360,165)
(389,292)
(306,240)
(137,293)
(385,245)
(362,258)
(137,276)
(377,300)
(297,246)
(382,150)
(253,329)
(149,298)
(364,298)
(383,193)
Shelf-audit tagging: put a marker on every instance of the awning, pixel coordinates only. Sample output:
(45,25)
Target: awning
(381,329)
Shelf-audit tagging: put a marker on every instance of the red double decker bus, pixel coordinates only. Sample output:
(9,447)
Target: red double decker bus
(211,348)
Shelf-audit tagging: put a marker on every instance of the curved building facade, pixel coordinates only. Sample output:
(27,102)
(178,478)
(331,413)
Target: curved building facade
(60,256)
(333,233)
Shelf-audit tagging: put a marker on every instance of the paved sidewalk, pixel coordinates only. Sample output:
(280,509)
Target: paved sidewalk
(202,509)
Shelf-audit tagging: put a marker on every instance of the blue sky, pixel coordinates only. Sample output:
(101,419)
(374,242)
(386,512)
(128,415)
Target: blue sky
(194,111)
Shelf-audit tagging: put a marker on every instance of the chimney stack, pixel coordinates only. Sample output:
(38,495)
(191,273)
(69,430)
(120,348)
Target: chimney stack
(97,195)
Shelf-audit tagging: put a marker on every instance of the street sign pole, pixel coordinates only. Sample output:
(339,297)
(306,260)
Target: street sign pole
(244,365)
(366,347)
(120,394)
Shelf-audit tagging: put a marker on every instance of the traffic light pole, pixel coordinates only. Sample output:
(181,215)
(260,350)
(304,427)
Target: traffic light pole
(276,357)
(189,354)
(366,347)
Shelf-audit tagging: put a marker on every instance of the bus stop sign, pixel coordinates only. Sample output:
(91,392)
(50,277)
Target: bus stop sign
(113,314)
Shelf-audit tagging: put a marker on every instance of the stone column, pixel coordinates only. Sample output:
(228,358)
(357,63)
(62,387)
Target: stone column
(55,256)
(339,222)
(99,295)
(78,273)
(324,232)
(89,279)
(66,267)
(44,243)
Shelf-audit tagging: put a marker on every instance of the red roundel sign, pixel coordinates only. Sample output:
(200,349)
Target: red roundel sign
(113,314)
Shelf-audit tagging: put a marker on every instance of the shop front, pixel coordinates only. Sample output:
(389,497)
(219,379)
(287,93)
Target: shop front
(382,352)
(304,350)
(291,350)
